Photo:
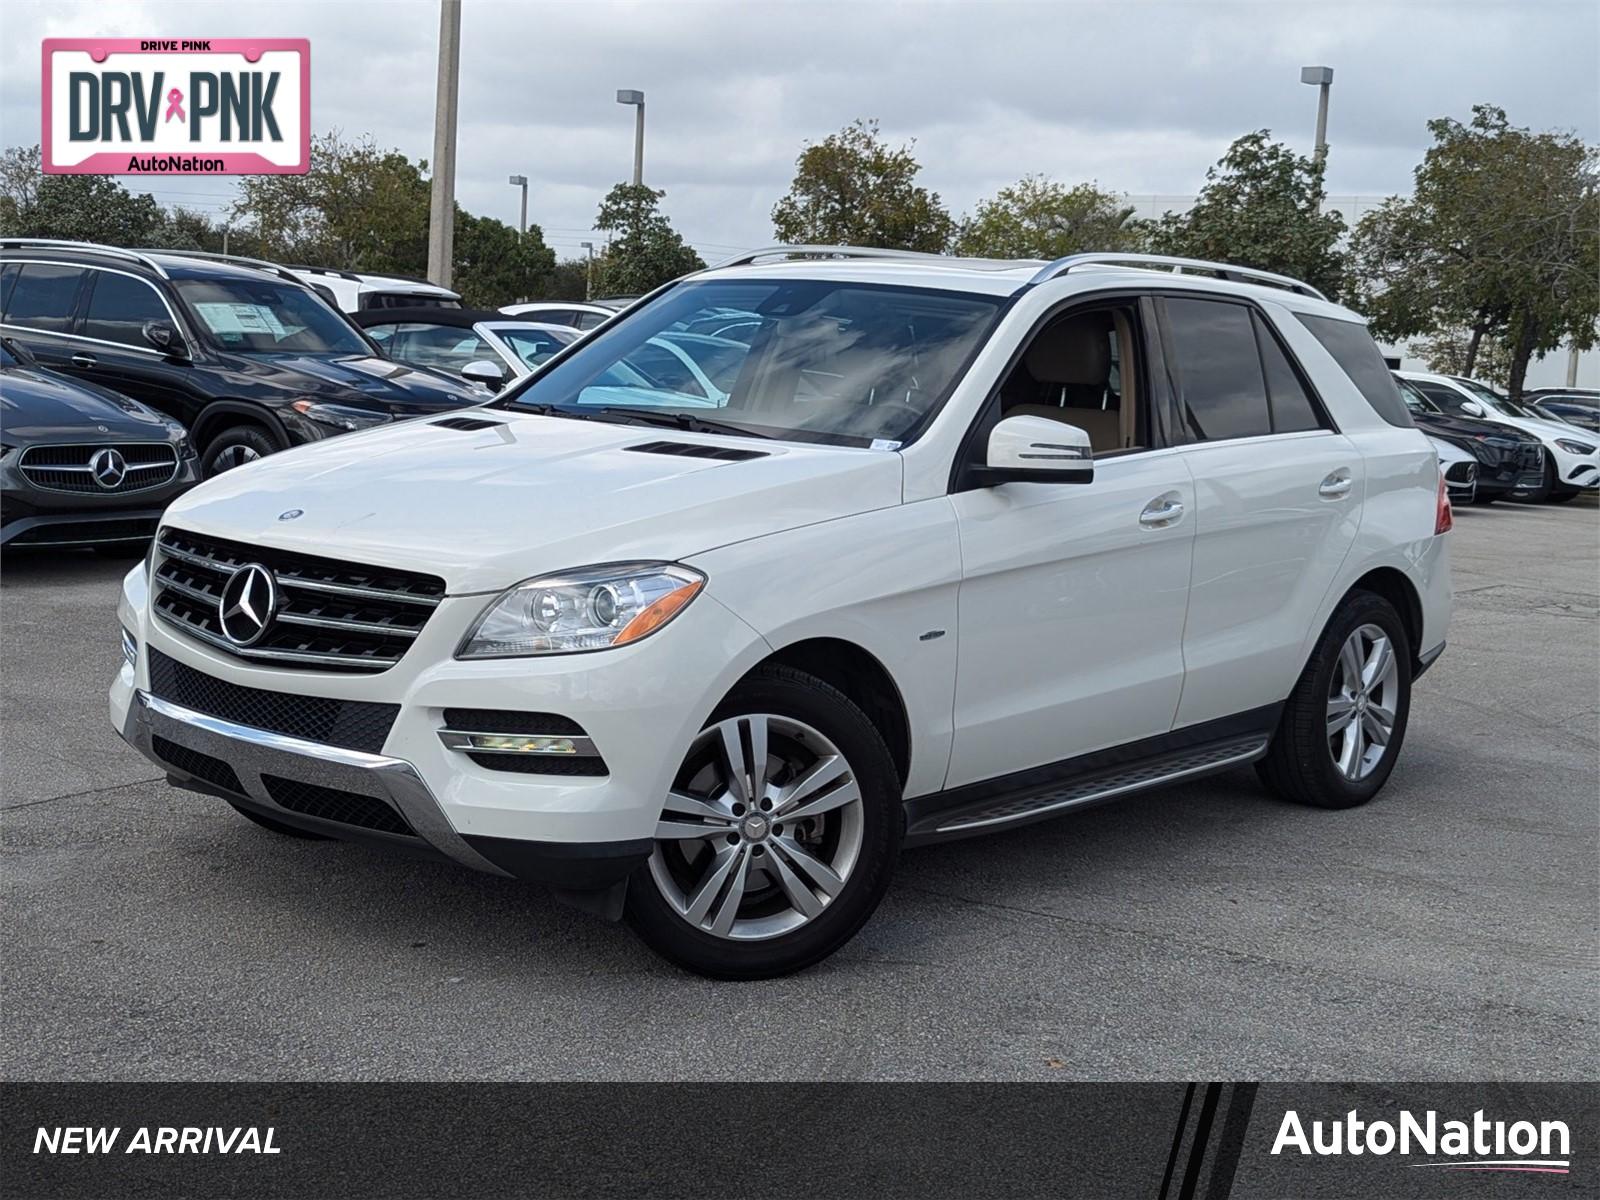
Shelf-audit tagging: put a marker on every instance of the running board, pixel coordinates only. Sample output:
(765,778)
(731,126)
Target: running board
(1046,792)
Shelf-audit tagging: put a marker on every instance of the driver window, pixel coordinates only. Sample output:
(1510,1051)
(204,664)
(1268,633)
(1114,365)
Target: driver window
(1081,370)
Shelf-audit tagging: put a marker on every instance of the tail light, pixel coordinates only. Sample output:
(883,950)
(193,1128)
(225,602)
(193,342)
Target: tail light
(1443,521)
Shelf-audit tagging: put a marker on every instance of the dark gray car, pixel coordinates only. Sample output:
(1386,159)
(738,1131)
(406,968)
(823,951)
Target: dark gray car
(81,465)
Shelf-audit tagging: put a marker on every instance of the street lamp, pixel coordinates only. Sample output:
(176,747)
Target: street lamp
(522,182)
(1320,77)
(588,270)
(629,96)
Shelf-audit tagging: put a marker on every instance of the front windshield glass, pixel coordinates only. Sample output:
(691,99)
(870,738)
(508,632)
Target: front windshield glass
(249,316)
(532,344)
(1496,402)
(815,360)
(1414,399)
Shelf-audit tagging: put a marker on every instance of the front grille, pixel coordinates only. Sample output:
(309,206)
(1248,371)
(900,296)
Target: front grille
(350,724)
(202,766)
(332,804)
(329,615)
(1461,472)
(1532,456)
(70,468)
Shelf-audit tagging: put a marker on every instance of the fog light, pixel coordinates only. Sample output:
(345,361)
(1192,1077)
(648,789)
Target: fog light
(519,744)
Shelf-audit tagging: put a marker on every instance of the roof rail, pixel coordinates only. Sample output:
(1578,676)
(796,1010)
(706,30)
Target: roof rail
(137,256)
(240,260)
(742,260)
(359,277)
(1158,262)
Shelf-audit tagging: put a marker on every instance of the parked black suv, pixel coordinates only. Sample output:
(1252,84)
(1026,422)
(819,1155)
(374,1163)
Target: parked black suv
(249,358)
(81,465)
(1510,462)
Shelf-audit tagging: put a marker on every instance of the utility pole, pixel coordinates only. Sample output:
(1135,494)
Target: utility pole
(442,205)
(1572,366)
(588,270)
(1322,79)
(225,231)
(635,98)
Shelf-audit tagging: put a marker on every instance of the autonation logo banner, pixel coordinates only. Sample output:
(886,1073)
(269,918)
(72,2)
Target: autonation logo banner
(150,106)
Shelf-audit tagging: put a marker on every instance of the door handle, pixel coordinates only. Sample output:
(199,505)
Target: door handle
(83,360)
(1337,485)
(1162,511)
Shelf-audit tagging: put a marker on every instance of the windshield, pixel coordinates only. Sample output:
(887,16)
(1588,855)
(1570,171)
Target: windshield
(1495,401)
(1414,399)
(249,316)
(533,344)
(822,361)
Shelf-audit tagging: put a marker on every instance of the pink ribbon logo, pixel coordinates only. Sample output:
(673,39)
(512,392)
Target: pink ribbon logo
(175,105)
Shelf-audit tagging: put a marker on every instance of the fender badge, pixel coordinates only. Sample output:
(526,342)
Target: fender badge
(291,514)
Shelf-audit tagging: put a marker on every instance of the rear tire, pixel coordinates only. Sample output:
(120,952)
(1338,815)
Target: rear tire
(1310,759)
(236,446)
(781,874)
(277,827)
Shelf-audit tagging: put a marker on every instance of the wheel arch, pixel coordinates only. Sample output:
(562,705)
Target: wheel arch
(224,414)
(859,674)
(1394,586)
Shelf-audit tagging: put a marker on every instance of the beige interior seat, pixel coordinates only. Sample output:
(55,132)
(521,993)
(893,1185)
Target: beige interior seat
(1070,364)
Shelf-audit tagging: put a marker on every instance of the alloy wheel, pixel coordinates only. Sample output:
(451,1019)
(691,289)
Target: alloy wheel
(762,828)
(1361,702)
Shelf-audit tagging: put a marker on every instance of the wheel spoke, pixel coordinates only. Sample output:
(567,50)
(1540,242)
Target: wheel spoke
(1380,661)
(1374,730)
(756,764)
(823,773)
(683,803)
(1340,710)
(822,875)
(801,896)
(733,761)
(727,858)
(1385,717)
(1350,660)
(1351,751)
(728,907)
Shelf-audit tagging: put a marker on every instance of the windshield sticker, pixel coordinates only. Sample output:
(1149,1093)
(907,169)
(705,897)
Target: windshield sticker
(883,444)
(241,318)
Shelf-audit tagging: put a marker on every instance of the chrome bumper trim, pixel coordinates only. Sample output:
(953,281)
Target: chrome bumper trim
(253,752)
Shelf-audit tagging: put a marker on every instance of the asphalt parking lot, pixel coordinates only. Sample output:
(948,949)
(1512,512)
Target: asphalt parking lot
(1446,931)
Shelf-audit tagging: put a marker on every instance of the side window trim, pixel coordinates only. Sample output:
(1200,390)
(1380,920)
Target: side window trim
(81,304)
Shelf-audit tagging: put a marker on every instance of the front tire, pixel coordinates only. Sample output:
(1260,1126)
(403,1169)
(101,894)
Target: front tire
(1562,497)
(779,836)
(1343,725)
(236,446)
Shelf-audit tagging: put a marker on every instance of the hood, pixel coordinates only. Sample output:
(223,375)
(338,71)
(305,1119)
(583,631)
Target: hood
(1546,431)
(382,382)
(1456,428)
(37,405)
(530,495)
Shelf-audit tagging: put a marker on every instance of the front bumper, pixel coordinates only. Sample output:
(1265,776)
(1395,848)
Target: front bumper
(641,705)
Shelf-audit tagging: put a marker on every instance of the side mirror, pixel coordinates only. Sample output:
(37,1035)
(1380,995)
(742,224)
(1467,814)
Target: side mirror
(1036,450)
(165,339)
(486,372)
(1472,408)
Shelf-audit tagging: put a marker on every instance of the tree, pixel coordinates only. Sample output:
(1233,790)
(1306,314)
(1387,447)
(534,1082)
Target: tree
(1500,239)
(1463,352)
(645,251)
(493,265)
(567,280)
(85,208)
(1039,218)
(1260,207)
(853,189)
(186,229)
(359,208)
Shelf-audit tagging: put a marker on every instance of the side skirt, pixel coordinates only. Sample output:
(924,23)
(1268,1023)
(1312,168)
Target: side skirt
(1042,792)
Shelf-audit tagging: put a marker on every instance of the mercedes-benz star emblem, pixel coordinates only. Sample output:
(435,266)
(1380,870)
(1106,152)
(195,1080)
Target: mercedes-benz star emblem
(249,599)
(108,468)
(291,514)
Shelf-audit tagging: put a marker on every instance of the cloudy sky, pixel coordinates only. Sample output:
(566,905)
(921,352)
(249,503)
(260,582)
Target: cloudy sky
(1140,96)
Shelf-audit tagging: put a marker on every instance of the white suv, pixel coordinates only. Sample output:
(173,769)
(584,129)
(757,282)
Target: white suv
(961,545)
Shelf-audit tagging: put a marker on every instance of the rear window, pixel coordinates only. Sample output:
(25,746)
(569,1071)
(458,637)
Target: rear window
(1357,354)
(43,296)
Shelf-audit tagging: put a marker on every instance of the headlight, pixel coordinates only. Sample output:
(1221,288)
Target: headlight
(180,440)
(340,416)
(1572,447)
(589,609)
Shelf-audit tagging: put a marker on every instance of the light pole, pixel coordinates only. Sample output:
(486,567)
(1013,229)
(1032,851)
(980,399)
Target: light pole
(588,270)
(629,96)
(1322,78)
(522,181)
(442,201)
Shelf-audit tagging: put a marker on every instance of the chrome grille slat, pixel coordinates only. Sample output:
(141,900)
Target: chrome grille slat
(320,622)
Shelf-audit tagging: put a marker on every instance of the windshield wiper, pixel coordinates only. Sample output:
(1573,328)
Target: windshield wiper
(687,422)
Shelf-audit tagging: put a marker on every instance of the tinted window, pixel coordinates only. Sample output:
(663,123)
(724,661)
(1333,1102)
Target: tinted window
(119,306)
(8,276)
(1219,369)
(43,295)
(250,316)
(585,320)
(1446,397)
(441,347)
(533,346)
(1292,407)
(1357,354)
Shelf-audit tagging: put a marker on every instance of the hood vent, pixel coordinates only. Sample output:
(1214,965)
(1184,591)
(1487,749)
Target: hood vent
(691,450)
(467,424)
